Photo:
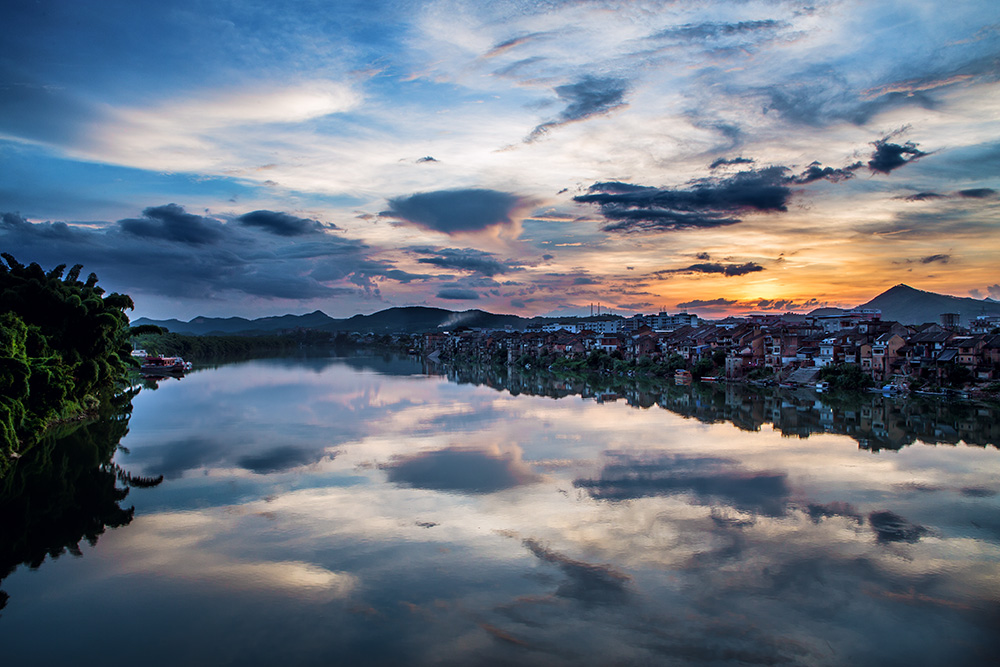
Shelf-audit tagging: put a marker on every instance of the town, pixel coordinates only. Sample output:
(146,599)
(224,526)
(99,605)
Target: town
(786,349)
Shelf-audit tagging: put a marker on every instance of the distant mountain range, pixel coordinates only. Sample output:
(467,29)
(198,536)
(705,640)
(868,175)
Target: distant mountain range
(901,303)
(907,305)
(412,319)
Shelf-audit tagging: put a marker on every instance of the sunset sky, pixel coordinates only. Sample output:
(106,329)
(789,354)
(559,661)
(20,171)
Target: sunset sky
(248,158)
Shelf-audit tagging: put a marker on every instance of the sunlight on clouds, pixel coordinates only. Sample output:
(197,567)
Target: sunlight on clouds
(264,104)
(191,546)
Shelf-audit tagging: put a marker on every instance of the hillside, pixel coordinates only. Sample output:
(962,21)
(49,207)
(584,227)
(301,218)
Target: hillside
(413,319)
(907,305)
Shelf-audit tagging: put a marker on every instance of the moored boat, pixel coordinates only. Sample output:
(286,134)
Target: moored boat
(164,366)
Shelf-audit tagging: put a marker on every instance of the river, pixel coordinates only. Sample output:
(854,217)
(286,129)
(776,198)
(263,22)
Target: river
(359,510)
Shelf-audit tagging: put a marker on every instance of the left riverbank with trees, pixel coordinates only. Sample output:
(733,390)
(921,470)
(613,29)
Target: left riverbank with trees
(64,349)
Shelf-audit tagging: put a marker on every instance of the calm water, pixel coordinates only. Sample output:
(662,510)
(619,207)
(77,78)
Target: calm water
(358,511)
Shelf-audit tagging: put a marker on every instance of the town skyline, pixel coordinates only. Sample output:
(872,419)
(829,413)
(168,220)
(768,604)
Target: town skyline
(524,158)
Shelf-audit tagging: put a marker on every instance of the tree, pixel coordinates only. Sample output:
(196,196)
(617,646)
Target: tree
(62,344)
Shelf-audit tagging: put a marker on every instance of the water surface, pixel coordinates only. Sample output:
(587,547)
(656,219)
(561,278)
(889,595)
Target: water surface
(358,511)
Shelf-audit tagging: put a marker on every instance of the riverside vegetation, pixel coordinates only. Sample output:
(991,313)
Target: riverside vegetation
(64,350)
(64,407)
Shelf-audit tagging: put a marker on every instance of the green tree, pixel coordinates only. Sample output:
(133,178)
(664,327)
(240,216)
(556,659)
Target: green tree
(63,343)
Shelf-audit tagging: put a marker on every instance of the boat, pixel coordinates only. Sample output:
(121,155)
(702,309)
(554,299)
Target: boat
(164,366)
(682,376)
(822,386)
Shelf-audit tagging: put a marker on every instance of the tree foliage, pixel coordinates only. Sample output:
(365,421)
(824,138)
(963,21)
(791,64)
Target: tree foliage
(62,344)
(848,377)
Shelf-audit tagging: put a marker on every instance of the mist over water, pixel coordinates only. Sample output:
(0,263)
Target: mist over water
(361,511)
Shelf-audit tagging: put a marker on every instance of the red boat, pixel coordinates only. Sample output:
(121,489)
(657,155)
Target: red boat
(164,366)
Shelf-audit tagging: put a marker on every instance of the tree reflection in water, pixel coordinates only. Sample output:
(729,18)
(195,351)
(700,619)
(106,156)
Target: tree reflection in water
(876,422)
(66,490)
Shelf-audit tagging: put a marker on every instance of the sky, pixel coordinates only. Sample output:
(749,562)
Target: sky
(721,157)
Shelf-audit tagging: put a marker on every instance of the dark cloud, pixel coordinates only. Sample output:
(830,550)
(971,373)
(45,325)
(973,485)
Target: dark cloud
(935,258)
(816,172)
(12,220)
(977,193)
(702,303)
(458,294)
(455,211)
(724,161)
(586,582)
(708,202)
(710,30)
(202,258)
(280,459)
(727,270)
(717,201)
(547,257)
(461,470)
(890,527)
(709,479)
(426,158)
(466,259)
(405,277)
(889,156)
(172,223)
(924,196)
(591,96)
(819,97)
(585,280)
(281,224)
(703,256)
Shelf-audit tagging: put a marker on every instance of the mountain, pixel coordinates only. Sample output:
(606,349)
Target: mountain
(908,305)
(413,319)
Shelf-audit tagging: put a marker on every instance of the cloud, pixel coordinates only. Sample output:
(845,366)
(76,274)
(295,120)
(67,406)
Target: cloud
(426,158)
(467,259)
(724,161)
(172,223)
(818,511)
(588,97)
(888,156)
(711,30)
(458,294)
(890,527)
(586,582)
(462,470)
(701,303)
(457,211)
(727,270)
(781,304)
(977,193)
(280,459)
(715,201)
(820,96)
(709,202)
(923,196)
(172,253)
(281,224)
(816,172)
(709,479)
(935,258)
